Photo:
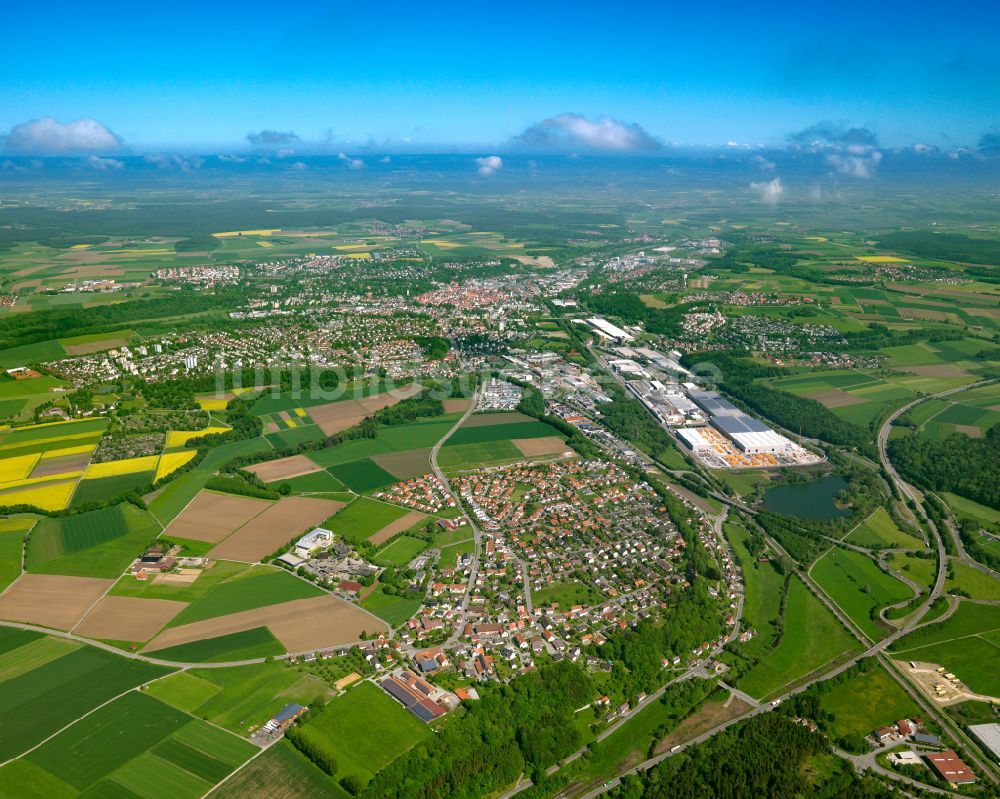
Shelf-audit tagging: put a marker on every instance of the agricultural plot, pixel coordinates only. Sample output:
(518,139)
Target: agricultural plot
(180,438)
(240,698)
(300,625)
(405,465)
(482,434)
(158,752)
(34,704)
(280,773)
(119,618)
(254,642)
(452,552)
(364,730)
(276,526)
(283,468)
(321,482)
(105,488)
(291,437)
(365,518)
(170,462)
(99,543)
(51,600)
(395,527)
(811,638)
(161,588)
(256,587)
(858,587)
(465,457)
(879,530)
(362,476)
(48,497)
(212,516)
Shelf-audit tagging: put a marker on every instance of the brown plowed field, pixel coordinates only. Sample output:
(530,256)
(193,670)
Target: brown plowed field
(51,600)
(125,618)
(211,517)
(280,523)
(393,528)
(485,419)
(547,445)
(300,625)
(283,468)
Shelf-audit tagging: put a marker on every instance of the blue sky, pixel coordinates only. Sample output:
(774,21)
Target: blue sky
(201,76)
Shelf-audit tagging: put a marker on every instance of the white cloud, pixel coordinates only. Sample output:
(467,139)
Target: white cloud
(352,163)
(763,163)
(770,192)
(104,164)
(298,165)
(272,137)
(46,136)
(232,159)
(577,132)
(489,165)
(855,164)
(385,160)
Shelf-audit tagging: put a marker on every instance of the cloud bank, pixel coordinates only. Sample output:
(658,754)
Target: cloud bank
(574,132)
(46,136)
(850,151)
(272,137)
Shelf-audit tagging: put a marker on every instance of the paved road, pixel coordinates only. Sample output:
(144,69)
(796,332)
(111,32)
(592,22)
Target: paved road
(476,533)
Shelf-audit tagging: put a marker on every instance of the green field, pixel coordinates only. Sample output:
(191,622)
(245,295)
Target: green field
(399,551)
(280,773)
(12,532)
(183,691)
(362,476)
(811,638)
(295,436)
(392,609)
(37,703)
(362,518)
(254,588)
(365,730)
(764,588)
(105,488)
(107,739)
(500,432)
(21,779)
(966,507)
(567,594)
(866,701)
(858,587)
(472,456)
(317,482)
(254,643)
(100,543)
(966,643)
(879,530)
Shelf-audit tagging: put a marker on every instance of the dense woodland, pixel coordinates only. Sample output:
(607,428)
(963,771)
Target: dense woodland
(969,467)
(768,755)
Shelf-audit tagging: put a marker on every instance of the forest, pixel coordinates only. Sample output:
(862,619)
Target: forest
(969,467)
(767,755)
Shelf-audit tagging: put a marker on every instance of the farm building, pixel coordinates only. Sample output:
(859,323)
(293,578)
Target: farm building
(284,717)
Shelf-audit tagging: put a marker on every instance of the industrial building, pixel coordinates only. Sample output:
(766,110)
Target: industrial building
(989,736)
(608,331)
(750,435)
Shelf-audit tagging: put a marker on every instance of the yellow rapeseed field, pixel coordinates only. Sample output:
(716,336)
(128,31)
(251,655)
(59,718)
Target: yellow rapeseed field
(77,450)
(881,259)
(300,412)
(127,466)
(178,438)
(265,244)
(49,497)
(171,461)
(213,404)
(17,468)
(28,481)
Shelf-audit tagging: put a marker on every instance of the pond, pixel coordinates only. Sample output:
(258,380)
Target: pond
(812,500)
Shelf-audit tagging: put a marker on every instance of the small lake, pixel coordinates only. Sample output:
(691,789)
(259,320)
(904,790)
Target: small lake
(812,500)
